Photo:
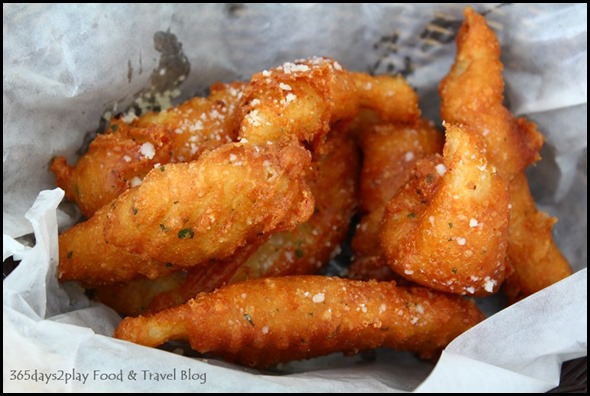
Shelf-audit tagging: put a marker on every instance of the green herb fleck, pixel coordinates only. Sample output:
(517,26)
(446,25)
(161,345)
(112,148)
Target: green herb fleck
(412,215)
(299,253)
(450,225)
(162,168)
(454,270)
(249,319)
(168,265)
(186,233)
(429,178)
(114,127)
(163,228)
(134,210)
(70,253)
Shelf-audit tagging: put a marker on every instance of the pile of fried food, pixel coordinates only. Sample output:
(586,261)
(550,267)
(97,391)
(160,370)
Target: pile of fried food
(208,222)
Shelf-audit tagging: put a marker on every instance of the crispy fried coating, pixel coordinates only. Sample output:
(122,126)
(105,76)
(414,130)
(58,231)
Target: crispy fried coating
(391,97)
(263,322)
(85,256)
(472,94)
(200,279)
(120,158)
(305,98)
(389,153)
(200,123)
(131,298)
(536,258)
(138,296)
(114,162)
(302,251)
(299,99)
(311,245)
(447,227)
(372,266)
(188,214)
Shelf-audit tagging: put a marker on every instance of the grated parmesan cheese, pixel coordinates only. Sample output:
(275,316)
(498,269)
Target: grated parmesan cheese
(285,87)
(318,298)
(136,181)
(147,150)
(489,284)
(129,117)
(288,99)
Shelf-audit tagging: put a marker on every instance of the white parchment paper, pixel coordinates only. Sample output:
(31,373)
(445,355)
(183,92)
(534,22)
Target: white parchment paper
(64,66)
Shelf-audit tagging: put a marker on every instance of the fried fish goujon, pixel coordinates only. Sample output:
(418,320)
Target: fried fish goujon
(389,153)
(120,158)
(85,256)
(305,98)
(472,94)
(263,322)
(447,227)
(187,214)
(143,295)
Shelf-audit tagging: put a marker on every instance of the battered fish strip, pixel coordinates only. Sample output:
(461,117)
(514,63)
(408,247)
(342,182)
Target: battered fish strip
(391,97)
(302,251)
(85,256)
(263,322)
(305,98)
(309,247)
(472,94)
(536,259)
(120,158)
(389,154)
(151,295)
(189,214)
(114,162)
(447,227)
